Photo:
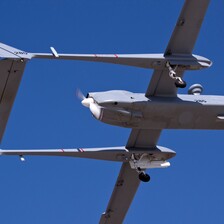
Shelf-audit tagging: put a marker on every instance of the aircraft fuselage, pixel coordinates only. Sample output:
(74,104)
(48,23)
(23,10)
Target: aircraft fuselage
(134,110)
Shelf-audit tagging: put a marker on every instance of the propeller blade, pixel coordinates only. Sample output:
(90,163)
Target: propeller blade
(80,95)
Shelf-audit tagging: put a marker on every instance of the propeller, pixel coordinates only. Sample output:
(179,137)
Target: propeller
(90,103)
(80,95)
(85,101)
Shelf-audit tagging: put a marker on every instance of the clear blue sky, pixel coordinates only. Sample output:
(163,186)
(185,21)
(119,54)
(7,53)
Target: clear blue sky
(46,114)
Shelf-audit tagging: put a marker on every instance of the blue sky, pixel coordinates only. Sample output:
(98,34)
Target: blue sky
(47,114)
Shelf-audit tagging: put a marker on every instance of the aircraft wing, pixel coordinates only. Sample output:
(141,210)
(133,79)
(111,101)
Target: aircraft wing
(127,182)
(181,42)
(117,154)
(140,141)
(181,45)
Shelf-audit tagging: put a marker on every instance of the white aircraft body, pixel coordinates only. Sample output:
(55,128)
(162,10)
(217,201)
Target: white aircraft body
(160,107)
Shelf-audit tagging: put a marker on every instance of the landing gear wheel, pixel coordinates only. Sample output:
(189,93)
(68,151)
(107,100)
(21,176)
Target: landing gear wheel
(180,83)
(144,177)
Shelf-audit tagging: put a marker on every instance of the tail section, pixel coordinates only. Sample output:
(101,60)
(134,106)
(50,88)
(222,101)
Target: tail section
(8,52)
(12,65)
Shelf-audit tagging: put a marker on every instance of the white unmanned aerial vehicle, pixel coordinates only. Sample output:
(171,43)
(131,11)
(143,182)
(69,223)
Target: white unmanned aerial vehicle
(160,107)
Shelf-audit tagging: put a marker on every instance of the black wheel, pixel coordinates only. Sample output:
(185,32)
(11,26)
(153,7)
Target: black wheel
(144,177)
(180,84)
